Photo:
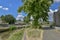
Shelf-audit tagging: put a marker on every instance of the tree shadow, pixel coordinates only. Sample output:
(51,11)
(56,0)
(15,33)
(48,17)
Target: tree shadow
(47,28)
(4,25)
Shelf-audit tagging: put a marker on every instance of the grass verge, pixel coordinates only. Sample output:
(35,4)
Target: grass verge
(34,34)
(17,35)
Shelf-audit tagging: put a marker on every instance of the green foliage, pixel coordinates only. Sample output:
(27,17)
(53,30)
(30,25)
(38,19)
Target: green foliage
(8,19)
(12,27)
(37,9)
(26,20)
(11,19)
(2,18)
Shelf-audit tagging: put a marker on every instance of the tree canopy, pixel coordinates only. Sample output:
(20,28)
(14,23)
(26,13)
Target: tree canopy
(36,8)
(8,19)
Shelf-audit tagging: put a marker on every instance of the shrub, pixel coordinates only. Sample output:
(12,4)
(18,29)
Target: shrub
(12,27)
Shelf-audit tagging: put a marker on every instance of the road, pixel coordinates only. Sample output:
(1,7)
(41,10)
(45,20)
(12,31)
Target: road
(51,35)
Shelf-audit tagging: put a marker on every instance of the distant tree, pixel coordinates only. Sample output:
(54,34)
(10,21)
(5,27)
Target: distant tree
(37,9)
(3,18)
(8,19)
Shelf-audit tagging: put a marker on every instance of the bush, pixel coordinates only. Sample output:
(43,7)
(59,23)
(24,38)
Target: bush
(12,27)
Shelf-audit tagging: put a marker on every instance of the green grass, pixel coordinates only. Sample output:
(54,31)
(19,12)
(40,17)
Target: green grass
(17,35)
(12,27)
(5,35)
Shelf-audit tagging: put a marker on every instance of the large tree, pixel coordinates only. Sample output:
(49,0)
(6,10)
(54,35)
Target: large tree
(37,9)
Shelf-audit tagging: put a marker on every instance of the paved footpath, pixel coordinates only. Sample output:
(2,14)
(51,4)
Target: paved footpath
(51,35)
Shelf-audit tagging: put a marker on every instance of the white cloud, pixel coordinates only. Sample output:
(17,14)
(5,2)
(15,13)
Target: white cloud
(5,8)
(1,6)
(56,0)
(50,18)
(51,10)
(56,10)
(50,14)
(20,17)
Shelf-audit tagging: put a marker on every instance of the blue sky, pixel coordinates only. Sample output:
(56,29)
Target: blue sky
(11,6)
(55,5)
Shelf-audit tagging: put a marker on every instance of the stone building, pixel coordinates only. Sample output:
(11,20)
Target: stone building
(57,18)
